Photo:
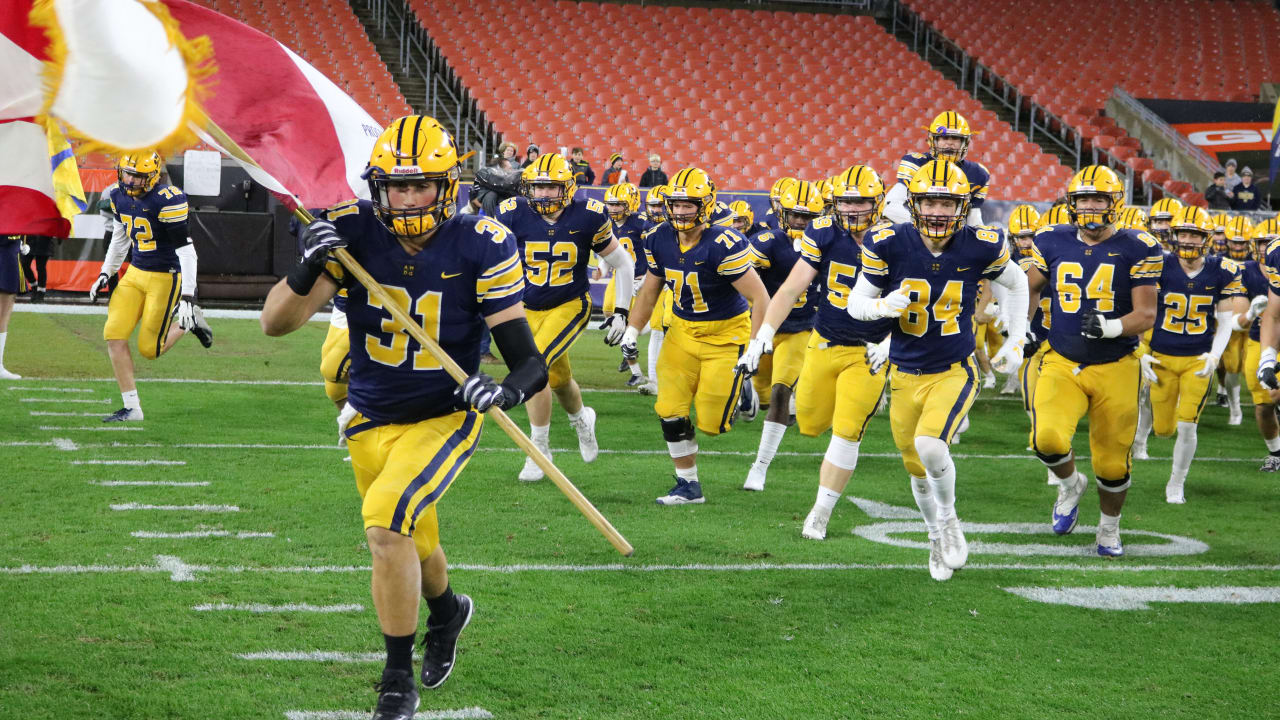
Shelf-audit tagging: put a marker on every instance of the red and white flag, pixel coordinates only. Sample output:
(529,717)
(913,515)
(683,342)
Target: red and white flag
(310,137)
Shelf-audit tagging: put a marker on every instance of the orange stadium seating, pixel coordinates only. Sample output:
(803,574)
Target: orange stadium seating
(697,97)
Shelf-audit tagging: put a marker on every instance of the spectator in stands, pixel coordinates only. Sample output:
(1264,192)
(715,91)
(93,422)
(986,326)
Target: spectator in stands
(531,154)
(507,151)
(1232,178)
(582,172)
(615,173)
(654,176)
(1217,195)
(1247,196)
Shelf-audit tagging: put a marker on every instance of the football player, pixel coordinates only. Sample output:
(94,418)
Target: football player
(557,234)
(1162,212)
(744,219)
(623,202)
(655,214)
(1199,299)
(841,383)
(12,282)
(775,255)
(775,212)
(824,191)
(1256,284)
(1239,232)
(1103,284)
(949,139)
(708,270)
(1219,242)
(1132,218)
(924,274)
(149,221)
(415,428)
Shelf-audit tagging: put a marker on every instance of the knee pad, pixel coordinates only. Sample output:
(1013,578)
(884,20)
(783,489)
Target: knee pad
(842,453)
(1050,444)
(679,434)
(934,454)
(1113,486)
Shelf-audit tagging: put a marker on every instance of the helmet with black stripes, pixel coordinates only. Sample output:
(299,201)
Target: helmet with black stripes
(949,124)
(414,150)
(1095,181)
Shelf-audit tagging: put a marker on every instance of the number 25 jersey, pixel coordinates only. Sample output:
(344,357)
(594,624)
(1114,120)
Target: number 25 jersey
(1185,320)
(556,254)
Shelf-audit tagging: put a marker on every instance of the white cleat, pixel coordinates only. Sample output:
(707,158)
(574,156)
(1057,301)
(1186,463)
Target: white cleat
(1234,416)
(815,525)
(649,388)
(7,375)
(1140,451)
(989,382)
(586,429)
(1011,385)
(1052,479)
(955,549)
(938,570)
(531,472)
(1173,493)
(755,478)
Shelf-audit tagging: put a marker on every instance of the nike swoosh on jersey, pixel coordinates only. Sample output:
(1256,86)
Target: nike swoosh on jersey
(1111,254)
(446,276)
(961,269)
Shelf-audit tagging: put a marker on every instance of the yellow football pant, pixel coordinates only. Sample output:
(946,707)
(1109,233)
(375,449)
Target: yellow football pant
(696,371)
(762,381)
(1177,395)
(930,406)
(555,331)
(1029,373)
(1252,355)
(403,470)
(1108,393)
(335,361)
(989,337)
(662,314)
(837,390)
(1233,356)
(143,298)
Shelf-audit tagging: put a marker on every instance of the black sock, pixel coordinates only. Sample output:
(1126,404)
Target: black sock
(442,608)
(399,652)
(1274,453)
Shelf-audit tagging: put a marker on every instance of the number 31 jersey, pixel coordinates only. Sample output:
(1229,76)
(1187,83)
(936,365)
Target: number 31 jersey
(556,254)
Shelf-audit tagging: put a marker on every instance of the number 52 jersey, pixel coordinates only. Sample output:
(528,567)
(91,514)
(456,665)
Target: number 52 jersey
(556,254)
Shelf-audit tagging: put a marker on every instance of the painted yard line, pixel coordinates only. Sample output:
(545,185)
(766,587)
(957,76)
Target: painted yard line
(64,444)
(194,534)
(291,607)
(42,413)
(315,656)
(129,462)
(1119,597)
(95,309)
(48,389)
(193,381)
(91,428)
(471,713)
(188,508)
(64,400)
(148,483)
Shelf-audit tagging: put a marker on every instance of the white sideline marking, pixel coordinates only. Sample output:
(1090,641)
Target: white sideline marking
(291,607)
(151,535)
(148,483)
(130,462)
(65,400)
(48,389)
(96,309)
(64,444)
(189,508)
(92,428)
(315,656)
(178,570)
(884,533)
(876,509)
(1120,597)
(471,713)
(43,413)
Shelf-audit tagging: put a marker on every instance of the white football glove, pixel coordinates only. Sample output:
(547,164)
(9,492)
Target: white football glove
(629,347)
(877,355)
(1267,369)
(1256,308)
(186,314)
(1148,372)
(98,285)
(749,363)
(24,248)
(614,327)
(344,419)
(893,304)
(1010,355)
(1210,364)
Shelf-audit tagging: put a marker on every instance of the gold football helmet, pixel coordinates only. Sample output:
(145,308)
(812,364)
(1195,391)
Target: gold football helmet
(824,191)
(1023,224)
(939,179)
(690,185)
(857,183)
(1095,180)
(654,205)
(801,204)
(1057,215)
(138,173)
(949,124)
(549,170)
(743,217)
(413,148)
(776,191)
(1191,219)
(1264,233)
(1162,212)
(621,201)
(1132,218)
(1238,231)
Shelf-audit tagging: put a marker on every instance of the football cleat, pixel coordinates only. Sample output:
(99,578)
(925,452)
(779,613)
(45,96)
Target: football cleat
(649,388)
(1173,493)
(1067,508)
(749,403)
(989,382)
(586,429)
(815,525)
(755,477)
(1221,399)
(6,375)
(440,646)
(1109,542)
(1140,451)
(124,415)
(636,381)
(1011,385)
(684,493)
(1270,464)
(200,328)
(623,366)
(397,696)
(531,472)
(938,569)
(955,549)
(1234,416)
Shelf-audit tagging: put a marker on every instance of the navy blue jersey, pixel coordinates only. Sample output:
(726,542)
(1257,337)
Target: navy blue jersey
(774,256)
(837,257)
(771,221)
(1100,276)
(936,331)
(556,254)
(700,277)
(1185,320)
(975,172)
(1255,284)
(156,224)
(628,234)
(469,269)
(756,229)
(722,215)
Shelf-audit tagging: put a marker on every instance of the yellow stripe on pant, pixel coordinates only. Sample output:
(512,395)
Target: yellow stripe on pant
(837,390)
(147,299)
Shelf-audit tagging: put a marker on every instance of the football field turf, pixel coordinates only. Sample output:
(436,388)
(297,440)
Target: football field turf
(209,563)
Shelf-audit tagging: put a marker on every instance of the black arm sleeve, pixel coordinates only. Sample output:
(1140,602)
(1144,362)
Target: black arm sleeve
(528,370)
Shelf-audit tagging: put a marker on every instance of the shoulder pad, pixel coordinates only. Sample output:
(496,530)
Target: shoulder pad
(916,156)
(822,222)
(1148,239)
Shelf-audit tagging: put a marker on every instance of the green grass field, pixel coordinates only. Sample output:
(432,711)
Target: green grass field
(723,612)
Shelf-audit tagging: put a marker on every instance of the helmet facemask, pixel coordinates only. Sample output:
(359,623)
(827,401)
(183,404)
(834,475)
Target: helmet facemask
(955,155)
(1238,249)
(1023,243)
(1190,248)
(546,205)
(858,220)
(412,222)
(938,226)
(1094,220)
(683,221)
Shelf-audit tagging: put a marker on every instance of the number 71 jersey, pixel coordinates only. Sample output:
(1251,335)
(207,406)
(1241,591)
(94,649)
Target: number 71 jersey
(936,331)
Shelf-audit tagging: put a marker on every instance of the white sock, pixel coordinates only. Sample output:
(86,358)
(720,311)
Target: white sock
(655,347)
(770,438)
(944,491)
(1273,444)
(1233,391)
(131,400)
(827,499)
(634,368)
(1184,449)
(575,417)
(3,336)
(1109,522)
(921,488)
(540,434)
(690,475)
(1144,419)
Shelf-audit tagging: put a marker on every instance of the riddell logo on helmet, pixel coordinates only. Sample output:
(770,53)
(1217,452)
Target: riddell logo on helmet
(1088,188)
(406,170)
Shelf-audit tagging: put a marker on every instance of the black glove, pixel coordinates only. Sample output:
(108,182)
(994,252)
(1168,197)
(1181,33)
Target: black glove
(482,392)
(318,239)
(1267,377)
(1091,324)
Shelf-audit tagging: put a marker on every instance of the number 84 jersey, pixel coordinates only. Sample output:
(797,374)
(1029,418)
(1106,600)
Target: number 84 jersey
(936,331)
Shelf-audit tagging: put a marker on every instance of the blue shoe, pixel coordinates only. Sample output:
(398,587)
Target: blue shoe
(684,493)
(1067,509)
(1109,543)
(749,403)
